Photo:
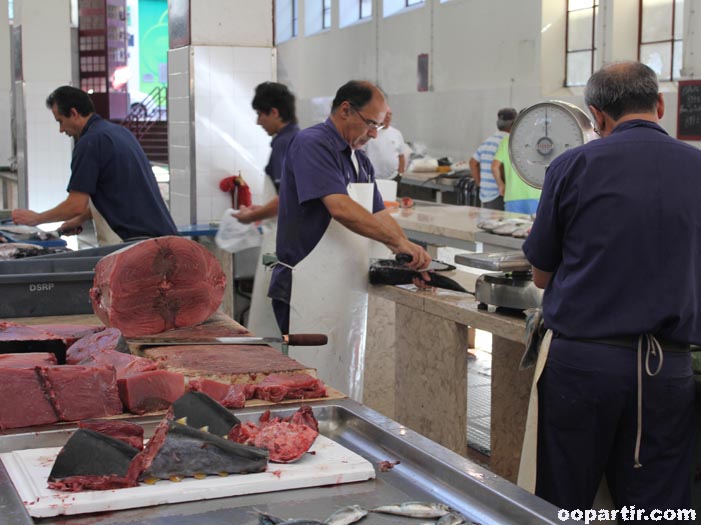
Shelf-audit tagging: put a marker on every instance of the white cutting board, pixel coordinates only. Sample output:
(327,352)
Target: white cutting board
(29,470)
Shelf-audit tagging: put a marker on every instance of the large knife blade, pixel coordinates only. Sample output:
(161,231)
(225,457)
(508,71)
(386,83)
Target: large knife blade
(290,340)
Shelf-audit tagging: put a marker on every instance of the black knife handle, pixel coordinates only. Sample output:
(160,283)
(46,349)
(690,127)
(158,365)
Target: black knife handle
(403,258)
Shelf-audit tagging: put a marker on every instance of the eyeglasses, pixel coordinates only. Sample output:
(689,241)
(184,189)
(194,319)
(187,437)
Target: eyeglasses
(368,122)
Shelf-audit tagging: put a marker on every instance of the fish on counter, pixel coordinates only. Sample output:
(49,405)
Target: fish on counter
(514,227)
(391,271)
(22,232)
(415,509)
(17,250)
(347,515)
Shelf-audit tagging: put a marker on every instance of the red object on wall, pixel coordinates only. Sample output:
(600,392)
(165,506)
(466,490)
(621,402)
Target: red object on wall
(240,191)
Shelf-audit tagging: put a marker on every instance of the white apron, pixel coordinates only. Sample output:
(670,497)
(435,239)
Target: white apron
(330,296)
(105,234)
(261,318)
(529,451)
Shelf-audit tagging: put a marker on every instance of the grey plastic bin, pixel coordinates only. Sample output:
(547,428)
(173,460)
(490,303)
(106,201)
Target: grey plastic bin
(36,287)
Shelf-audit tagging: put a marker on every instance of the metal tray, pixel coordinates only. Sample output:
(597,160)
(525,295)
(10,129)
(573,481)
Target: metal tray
(427,472)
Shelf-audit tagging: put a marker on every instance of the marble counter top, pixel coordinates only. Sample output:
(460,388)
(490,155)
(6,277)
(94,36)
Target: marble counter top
(456,307)
(446,220)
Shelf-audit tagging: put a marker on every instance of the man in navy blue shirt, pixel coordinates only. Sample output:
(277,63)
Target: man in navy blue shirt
(319,167)
(275,107)
(617,246)
(108,167)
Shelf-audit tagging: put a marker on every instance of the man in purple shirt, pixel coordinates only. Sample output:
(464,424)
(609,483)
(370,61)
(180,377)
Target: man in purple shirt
(617,246)
(275,106)
(318,169)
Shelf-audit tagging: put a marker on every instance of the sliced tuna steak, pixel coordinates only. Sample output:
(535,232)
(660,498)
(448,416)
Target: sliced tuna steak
(229,396)
(124,364)
(157,285)
(24,402)
(70,333)
(27,360)
(82,392)
(277,387)
(151,391)
(17,338)
(109,340)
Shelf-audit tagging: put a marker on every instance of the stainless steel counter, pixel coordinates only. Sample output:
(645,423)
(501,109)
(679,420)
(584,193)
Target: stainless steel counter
(427,472)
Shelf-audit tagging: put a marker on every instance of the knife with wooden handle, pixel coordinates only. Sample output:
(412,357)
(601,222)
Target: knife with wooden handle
(290,340)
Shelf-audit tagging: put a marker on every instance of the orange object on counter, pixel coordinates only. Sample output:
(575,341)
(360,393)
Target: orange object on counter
(391,204)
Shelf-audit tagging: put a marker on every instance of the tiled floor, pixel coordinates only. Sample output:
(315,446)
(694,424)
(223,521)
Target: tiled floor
(479,375)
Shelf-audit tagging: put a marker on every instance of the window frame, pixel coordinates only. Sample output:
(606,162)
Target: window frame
(673,42)
(360,11)
(410,3)
(596,5)
(326,9)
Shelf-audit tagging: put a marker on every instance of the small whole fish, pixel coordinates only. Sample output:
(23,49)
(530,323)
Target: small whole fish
(347,515)
(267,519)
(415,509)
(452,518)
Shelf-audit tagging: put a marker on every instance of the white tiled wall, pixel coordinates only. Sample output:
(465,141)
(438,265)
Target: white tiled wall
(45,67)
(226,137)
(179,119)
(5,86)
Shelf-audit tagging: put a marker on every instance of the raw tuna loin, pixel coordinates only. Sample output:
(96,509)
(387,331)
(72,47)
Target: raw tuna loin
(157,285)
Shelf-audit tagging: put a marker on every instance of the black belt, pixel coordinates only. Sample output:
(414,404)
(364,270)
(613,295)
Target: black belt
(632,343)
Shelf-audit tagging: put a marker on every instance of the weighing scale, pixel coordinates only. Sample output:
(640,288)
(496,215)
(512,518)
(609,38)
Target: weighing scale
(539,134)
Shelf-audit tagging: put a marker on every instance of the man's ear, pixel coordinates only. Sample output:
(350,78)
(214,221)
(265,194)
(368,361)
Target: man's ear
(660,106)
(274,113)
(599,120)
(73,113)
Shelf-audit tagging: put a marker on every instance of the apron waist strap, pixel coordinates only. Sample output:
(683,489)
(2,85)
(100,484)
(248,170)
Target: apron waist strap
(632,343)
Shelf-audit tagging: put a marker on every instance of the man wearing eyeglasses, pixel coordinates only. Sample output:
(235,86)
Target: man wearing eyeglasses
(329,210)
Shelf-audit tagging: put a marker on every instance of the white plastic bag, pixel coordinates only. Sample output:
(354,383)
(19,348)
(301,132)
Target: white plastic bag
(234,236)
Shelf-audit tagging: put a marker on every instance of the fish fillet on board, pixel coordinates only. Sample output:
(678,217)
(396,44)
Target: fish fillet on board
(231,364)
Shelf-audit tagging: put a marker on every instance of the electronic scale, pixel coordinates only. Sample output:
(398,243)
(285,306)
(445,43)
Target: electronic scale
(539,134)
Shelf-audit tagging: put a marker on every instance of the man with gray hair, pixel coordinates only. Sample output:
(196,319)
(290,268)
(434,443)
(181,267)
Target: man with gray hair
(490,191)
(617,246)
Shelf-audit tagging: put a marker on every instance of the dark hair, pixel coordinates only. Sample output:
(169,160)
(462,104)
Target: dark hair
(357,92)
(271,95)
(505,118)
(622,88)
(67,97)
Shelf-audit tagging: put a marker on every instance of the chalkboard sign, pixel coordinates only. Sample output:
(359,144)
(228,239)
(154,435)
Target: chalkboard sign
(689,110)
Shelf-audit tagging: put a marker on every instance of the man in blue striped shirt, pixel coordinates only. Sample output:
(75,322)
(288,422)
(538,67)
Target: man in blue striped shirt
(491,194)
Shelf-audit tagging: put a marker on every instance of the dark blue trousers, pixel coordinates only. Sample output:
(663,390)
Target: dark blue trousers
(282,315)
(587,423)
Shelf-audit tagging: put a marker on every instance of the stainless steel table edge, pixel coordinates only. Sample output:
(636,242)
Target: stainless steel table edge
(451,478)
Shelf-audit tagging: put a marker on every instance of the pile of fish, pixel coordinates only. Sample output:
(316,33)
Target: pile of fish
(20,232)
(195,439)
(443,514)
(20,250)
(518,228)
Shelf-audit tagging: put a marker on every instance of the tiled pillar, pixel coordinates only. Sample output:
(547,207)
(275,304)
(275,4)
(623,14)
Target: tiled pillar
(5,79)
(43,155)
(220,50)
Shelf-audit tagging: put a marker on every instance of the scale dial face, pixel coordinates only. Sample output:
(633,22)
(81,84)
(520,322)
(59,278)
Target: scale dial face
(541,133)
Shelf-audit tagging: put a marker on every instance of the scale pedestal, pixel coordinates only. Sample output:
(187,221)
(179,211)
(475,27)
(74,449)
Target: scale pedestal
(510,287)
